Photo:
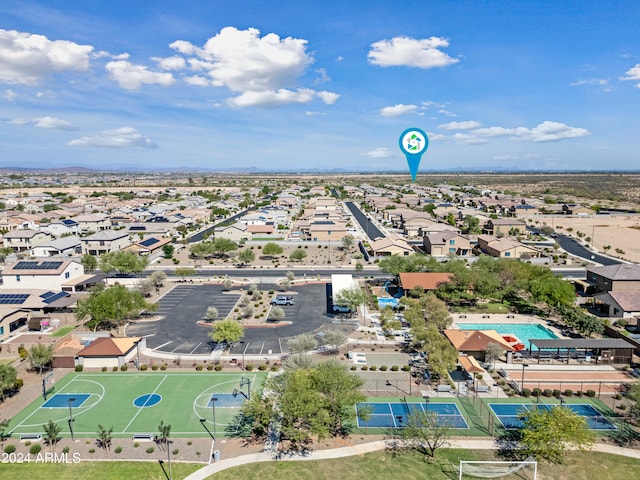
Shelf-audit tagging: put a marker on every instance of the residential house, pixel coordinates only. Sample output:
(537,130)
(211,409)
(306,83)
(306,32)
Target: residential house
(447,242)
(104,242)
(47,274)
(506,248)
(322,231)
(391,245)
(12,319)
(504,226)
(616,288)
(236,232)
(148,245)
(93,222)
(68,246)
(59,228)
(25,240)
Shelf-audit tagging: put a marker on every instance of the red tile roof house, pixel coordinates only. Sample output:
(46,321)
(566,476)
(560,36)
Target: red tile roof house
(110,352)
(427,280)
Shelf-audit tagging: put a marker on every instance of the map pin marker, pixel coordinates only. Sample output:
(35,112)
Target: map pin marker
(413,143)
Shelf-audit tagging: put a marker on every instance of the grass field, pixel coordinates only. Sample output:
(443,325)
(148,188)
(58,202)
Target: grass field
(62,331)
(125,401)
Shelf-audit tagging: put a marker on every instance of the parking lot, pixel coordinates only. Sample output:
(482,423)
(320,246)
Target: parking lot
(177,330)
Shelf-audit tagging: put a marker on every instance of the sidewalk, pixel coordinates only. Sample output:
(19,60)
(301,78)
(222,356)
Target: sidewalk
(361,449)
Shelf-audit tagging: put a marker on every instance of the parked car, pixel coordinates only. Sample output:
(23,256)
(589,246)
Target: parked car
(283,300)
(341,309)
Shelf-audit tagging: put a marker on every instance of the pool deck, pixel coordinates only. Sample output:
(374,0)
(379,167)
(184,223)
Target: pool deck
(491,318)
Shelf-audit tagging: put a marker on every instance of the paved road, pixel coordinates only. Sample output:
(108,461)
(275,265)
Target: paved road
(270,273)
(574,247)
(371,230)
(198,237)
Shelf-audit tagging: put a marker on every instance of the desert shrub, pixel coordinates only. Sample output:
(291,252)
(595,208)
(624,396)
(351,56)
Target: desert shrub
(262,367)
(10,448)
(104,369)
(114,369)
(568,393)
(353,367)
(149,450)
(154,367)
(124,368)
(118,449)
(175,451)
(406,368)
(218,368)
(547,392)
(591,393)
(556,393)
(249,367)
(373,368)
(163,367)
(199,367)
(210,367)
(526,392)
(394,368)
(79,368)
(536,392)
(579,393)
(65,450)
(136,444)
(35,449)
(92,450)
(275,367)
(364,368)
(383,368)
(143,368)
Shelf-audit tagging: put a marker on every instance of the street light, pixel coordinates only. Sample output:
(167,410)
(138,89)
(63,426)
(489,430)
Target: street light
(426,402)
(213,407)
(169,442)
(71,420)
(243,352)
(137,344)
(524,365)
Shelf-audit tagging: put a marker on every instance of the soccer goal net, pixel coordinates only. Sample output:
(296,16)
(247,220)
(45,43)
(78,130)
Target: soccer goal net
(525,469)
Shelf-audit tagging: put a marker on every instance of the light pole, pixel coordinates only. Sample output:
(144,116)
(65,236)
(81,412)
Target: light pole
(138,353)
(426,403)
(213,407)
(524,365)
(244,367)
(71,420)
(169,442)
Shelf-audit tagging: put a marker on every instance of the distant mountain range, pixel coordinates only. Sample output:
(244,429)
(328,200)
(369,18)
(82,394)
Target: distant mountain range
(257,170)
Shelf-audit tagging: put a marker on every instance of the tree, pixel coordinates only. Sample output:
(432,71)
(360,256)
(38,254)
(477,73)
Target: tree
(387,315)
(347,242)
(425,432)
(246,256)
(145,287)
(222,246)
(167,250)
(212,314)
(285,284)
(334,338)
(291,276)
(302,343)
(164,430)
(547,434)
(123,262)
(158,278)
(271,249)
(588,325)
(442,355)
(493,352)
(201,249)
(297,361)
(227,284)
(351,297)
(276,313)
(111,307)
(89,262)
(51,433)
(471,225)
(436,311)
(8,378)
(41,356)
(229,331)
(184,272)
(104,437)
(298,255)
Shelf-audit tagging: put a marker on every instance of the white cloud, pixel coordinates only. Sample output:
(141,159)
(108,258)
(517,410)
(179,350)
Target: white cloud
(52,123)
(633,75)
(446,113)
(27,59)
(410,52)
(262,71)
(322,76)
(600,83)
(170,63)
(197,80)
(468,139)
(436,136)
(493,131)
(131,77)
(549,131)
(10,95)
(467,125)
(380,152)
(396,110)
(313,114)
(122,137)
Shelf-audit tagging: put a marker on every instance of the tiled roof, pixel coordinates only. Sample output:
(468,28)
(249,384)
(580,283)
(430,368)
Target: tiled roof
(426,280)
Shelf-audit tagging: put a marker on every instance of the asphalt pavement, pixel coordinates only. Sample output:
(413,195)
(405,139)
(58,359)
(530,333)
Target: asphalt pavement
(367,225)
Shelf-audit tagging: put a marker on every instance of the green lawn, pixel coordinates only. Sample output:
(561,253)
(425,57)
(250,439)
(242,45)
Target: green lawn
(183,401)
(62,331)
(96,471)
(412,466)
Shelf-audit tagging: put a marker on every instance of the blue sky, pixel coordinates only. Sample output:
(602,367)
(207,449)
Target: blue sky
(319,84)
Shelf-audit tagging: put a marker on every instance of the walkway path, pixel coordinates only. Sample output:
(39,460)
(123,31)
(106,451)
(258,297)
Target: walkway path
(363,448)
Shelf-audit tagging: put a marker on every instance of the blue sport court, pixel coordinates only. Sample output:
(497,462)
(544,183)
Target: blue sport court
(508,414)
(64,400)
(229,400)
(395,414)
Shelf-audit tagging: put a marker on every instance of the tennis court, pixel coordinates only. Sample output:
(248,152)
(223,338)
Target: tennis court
(135,403)
(396,414)
(508,414)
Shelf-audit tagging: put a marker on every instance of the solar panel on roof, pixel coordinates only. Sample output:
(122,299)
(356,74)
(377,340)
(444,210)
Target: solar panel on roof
(49,265)
(47,294)
(55,297)
(13,298)
(25,266)
(149,241)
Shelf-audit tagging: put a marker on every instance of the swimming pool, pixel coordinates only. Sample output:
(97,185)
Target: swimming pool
(524,331)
